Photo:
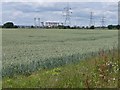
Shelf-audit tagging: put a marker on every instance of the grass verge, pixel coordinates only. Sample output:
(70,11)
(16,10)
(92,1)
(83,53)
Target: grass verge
(97,72)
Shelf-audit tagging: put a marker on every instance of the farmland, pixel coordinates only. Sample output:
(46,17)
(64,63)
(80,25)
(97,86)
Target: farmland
(28,51)
(95,72)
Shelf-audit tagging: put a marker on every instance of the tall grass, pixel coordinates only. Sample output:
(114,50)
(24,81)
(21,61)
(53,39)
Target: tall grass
(26,51)
(105,71)
(98,71)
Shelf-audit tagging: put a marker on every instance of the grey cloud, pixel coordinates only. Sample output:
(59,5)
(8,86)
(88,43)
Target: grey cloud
(23,13)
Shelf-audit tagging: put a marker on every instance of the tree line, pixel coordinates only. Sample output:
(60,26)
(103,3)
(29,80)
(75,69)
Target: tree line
(11,25)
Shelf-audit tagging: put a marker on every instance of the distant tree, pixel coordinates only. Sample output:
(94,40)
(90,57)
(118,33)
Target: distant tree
(118,27)
(32,26)
(8,25)
(60,26)
(74,27)
(110,26)
(78,27)
(92,27)
(67,27)
(87,27)
(83,27)
(15,26)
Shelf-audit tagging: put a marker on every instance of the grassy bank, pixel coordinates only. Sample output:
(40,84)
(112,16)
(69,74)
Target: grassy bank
(100,71)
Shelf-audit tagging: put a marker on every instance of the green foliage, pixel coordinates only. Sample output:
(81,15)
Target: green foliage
(99,71)
(110,27)
(114,27)
(8,25)
(118,27)
(92,27)
(27,51)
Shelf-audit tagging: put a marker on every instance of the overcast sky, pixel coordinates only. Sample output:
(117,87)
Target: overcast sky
(23,13)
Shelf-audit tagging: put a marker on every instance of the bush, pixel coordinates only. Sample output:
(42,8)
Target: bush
(92,27)
(8,25)
(110,27)
(15,26)
(118,27)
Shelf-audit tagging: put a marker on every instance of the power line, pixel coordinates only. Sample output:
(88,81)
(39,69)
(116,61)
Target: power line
(35,24)
(67,14)
(39,22)
(103,22)
(91,19)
